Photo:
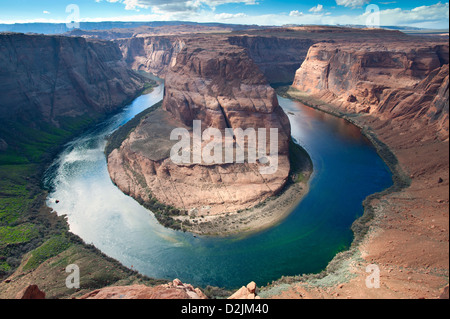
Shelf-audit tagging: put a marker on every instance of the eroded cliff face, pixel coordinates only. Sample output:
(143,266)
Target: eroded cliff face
(397,91)
(391,81)
(50,77)
(151,54)
(277,58)
(219,85)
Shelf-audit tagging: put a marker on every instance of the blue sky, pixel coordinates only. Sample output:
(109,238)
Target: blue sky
(417,13)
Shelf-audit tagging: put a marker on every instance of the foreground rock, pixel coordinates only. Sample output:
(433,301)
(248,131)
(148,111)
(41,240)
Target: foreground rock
(173,290)
(248,292)
(221,87)
(31,292)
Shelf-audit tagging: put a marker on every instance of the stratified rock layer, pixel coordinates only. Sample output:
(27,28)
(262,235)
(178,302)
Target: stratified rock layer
(50,77)
(153,54)
(218,84)
(397,80)
(396,90)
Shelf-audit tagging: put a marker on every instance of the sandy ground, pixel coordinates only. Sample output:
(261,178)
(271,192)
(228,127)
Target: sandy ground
(268,214)
(408,237)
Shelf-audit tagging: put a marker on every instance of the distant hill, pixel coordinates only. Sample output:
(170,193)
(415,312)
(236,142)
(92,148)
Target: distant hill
(60,28)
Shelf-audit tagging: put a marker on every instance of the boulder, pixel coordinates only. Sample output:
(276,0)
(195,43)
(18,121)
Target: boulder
(31,292)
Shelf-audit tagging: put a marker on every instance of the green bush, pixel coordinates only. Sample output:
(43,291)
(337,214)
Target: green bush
(49,249)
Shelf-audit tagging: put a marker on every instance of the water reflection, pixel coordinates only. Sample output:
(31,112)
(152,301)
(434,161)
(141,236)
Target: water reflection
(347,169)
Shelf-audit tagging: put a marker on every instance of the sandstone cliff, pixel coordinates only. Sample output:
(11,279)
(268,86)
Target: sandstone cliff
(152,54)
(397,80)
(49,77)
(278,58)
(396,90)
(218,84)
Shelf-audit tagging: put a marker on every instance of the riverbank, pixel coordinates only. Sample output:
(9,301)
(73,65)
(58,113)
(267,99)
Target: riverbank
(399,177)
(404,230)
(266,214)
(29,230)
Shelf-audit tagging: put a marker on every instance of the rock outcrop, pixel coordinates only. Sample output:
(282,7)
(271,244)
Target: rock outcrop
(248,292)
(397,80)
(173,290)
(31,292)
(152,54)
(218,84)
(51,77)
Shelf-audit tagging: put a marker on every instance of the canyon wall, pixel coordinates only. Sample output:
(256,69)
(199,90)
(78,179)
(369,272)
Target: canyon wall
(49,77)
(278,58)
(151,54)
(218,84)
(391,81)
(396,90)
(222,87)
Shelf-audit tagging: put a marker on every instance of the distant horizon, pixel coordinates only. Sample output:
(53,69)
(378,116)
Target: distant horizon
(224,23)
(422,14)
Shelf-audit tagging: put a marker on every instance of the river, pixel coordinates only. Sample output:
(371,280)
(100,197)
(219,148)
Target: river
(346,170)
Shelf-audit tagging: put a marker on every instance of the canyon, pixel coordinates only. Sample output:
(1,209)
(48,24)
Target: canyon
(221,87)
(393,86)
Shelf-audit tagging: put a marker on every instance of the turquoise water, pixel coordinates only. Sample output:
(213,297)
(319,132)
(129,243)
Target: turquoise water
(347,169)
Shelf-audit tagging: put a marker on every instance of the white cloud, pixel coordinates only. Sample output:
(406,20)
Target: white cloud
(423,16)
(352,3)
(228,16)
(432,16)
(316,9)
(177,5)
(46,12)
(295,13)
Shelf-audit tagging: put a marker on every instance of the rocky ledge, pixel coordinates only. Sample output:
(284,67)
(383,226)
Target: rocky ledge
(173,290)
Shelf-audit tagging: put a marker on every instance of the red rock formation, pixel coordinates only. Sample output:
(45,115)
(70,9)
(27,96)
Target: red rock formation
(248,292)
(31,292)
(220,85)
(223,88)
(401,79)
(399,87)
(173,290)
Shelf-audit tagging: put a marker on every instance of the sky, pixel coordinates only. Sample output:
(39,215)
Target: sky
(414,13)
